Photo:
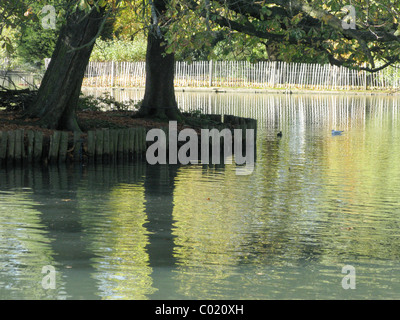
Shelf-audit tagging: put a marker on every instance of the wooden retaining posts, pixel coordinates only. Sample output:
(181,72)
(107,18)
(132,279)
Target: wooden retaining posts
(99,146)
(106,145)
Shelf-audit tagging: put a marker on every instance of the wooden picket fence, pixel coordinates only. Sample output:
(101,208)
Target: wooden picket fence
(243,74)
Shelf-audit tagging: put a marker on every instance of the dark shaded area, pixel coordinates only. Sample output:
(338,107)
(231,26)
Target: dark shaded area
(59,91)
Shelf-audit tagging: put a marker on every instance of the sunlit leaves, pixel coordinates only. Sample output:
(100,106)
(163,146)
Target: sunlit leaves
(119,50)
(83,5)
(12,15)
(193,28)
(318,26)
(7,44)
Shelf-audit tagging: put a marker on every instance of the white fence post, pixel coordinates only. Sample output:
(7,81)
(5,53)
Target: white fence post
(210,73)
(112,73)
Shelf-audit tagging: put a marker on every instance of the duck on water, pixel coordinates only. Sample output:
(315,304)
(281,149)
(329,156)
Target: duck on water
(336,132)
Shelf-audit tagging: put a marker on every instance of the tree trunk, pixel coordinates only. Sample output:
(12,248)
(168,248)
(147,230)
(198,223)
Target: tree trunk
(59,91)
(272,52)
(159,97)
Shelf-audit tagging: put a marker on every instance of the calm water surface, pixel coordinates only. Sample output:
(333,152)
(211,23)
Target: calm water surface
(314,204)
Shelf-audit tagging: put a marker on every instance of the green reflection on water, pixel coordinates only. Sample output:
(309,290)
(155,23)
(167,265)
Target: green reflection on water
(24,249)
(124,272)
(313,204)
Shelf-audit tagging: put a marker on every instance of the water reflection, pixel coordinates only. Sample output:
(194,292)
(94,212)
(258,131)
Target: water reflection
(282,110)
(313,204)
(114,225)
(24,248)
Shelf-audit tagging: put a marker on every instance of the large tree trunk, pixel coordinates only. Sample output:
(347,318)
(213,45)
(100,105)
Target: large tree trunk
(159,97)
(61,85)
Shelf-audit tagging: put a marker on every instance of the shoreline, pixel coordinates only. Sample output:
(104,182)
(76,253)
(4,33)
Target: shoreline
(122,138)
(259,91)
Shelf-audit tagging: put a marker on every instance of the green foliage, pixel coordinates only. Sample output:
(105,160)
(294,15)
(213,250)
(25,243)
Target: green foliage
(106,99)
(7,50)
(305,31)
(240,47)
(297,30)
(35,44)
(30,43)
(89,102)
(119,50)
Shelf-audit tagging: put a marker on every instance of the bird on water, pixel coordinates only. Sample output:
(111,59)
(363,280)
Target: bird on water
(336,132)
(279,135)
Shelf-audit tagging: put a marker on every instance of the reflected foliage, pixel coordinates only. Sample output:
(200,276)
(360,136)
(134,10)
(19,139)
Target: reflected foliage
(314,203)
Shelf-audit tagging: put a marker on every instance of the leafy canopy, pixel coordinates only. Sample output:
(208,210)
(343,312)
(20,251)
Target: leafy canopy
(293,30)
(296,30)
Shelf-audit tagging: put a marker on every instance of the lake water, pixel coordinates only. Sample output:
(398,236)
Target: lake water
(314,204)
